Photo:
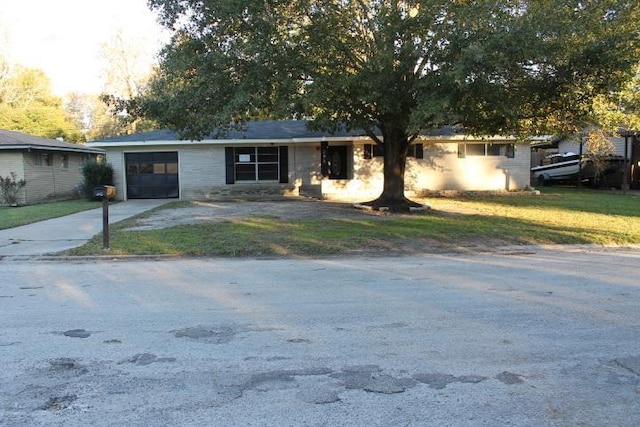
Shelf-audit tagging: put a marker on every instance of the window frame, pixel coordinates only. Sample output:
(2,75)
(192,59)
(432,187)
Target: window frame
(261,163)
(489,149)
(416,150)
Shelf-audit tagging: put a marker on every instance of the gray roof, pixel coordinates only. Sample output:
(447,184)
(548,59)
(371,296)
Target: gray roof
(257,130)
(264,130)
(12,140)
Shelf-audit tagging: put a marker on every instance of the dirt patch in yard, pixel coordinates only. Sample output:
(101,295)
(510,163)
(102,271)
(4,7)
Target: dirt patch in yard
(284,210)
(302,209)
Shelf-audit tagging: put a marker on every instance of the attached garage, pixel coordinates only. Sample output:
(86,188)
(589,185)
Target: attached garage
(152,175)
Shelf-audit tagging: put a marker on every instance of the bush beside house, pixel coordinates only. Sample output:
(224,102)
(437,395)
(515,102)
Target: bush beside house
(10,188)
(96,174)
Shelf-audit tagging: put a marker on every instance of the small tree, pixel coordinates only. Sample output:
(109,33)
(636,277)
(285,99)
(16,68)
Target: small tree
(599,149)
(96,174)
(10,187)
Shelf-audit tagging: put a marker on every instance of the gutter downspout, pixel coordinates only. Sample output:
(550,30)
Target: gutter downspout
(580,161)
(625,172)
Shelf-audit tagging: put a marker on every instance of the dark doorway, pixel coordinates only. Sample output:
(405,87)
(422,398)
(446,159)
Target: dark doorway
(337,162)
(634,161)
(152,175)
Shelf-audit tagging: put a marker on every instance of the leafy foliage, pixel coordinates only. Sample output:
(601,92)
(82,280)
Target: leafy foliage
(28,105)
(599,149)
(393,69)
(10,187)
(621,108)
(96,174)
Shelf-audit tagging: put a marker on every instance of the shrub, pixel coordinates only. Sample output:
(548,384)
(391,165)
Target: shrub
(10,187)
(96,174)
(599,150)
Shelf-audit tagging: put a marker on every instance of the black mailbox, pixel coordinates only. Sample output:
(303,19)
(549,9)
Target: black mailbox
(104,191)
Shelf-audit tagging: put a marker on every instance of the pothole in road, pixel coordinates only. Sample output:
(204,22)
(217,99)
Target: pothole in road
(144,359)
(77,333)
(58,403)
(67,366)
(215,335)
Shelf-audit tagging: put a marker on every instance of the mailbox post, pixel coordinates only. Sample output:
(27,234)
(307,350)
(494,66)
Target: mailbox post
(105,223)
(105,193)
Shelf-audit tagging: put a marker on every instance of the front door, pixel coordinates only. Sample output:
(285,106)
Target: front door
(336,158)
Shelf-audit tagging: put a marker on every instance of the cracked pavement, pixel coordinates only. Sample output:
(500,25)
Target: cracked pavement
(546,337)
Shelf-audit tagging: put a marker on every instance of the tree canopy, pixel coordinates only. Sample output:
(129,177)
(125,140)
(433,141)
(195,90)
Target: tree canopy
(28,105)
(619,110)
(391,68)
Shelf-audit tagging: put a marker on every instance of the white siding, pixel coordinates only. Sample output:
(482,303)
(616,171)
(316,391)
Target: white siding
(440,169)
(366,181)
(574,146)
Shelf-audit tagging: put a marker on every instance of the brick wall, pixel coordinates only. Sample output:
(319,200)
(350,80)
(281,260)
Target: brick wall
(115,158)
(202,172)
(58,180)
(12,161)
(203,176)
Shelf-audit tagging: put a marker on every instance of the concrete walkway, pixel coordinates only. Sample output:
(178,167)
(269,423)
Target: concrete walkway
(71,231)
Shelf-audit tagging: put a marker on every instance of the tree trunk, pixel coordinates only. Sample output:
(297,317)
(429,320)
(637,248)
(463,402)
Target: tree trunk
(396,146)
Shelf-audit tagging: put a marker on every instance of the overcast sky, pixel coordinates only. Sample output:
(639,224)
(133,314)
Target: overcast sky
(63,37)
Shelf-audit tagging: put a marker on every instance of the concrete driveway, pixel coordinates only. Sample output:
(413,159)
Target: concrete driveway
(67,232)
(529,338)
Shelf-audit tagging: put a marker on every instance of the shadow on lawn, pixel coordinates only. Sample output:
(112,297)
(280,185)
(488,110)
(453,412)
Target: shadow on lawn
(569,199)
(437,232)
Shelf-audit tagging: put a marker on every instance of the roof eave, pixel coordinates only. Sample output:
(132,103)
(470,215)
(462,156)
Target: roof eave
(226,141)
(30,147)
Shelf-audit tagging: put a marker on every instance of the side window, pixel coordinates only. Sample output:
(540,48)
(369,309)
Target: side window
(373,150)
(475,149)
(493,150)
(510,151)
(416,150)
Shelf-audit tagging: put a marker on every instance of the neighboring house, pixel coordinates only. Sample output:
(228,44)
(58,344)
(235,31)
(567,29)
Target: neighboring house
(284,157)
(627,146)
(52,169)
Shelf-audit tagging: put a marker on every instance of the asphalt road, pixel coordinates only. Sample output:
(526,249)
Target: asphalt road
(523,338)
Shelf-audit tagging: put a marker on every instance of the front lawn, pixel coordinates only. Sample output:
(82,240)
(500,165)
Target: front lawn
(15,216)
(557,216)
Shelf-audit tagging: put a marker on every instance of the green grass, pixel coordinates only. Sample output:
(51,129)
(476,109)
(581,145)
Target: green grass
(558,216)
(17,216)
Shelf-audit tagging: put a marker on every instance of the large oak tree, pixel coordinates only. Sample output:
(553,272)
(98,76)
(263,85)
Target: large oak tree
(391,68)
